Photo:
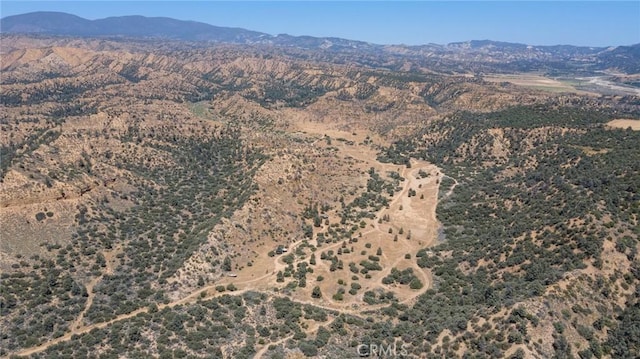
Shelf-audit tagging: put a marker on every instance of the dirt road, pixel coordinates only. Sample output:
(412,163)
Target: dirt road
(418,214)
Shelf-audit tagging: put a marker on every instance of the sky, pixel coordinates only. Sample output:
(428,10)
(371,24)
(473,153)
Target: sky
(583,23)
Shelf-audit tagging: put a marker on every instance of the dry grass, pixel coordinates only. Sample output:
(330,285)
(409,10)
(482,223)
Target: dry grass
(413,215)
(624,124)
(535,82)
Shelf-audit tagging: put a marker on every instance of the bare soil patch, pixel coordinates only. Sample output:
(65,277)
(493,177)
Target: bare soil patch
(535,82)
(624,124)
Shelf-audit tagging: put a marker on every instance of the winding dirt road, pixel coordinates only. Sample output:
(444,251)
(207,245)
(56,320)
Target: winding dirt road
(412,181)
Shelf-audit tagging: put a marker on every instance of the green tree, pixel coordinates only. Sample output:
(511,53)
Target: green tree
(316,293)
(226,264)
(312,260)
(415,283)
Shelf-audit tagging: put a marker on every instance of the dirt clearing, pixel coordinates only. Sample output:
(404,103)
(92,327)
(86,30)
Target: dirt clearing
(624,124)
(535,82)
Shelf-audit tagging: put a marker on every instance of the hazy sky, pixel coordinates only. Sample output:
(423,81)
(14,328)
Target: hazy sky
(587,23)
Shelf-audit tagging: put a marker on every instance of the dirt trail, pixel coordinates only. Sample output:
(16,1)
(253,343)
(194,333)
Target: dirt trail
(424,214)
(77,331)
(412,181)
(450,191)
(88,328)
(264,348)
(109,257)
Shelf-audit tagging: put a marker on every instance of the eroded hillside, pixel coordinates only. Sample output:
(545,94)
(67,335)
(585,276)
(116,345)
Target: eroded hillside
(179,200)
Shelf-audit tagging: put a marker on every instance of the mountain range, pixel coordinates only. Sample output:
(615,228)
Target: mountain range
(517,57)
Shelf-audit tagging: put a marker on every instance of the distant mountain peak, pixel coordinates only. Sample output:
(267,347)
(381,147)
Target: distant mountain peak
(516,55)
(58,23)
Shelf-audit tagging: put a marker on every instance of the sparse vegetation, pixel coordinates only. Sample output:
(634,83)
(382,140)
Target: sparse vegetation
(180,201)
